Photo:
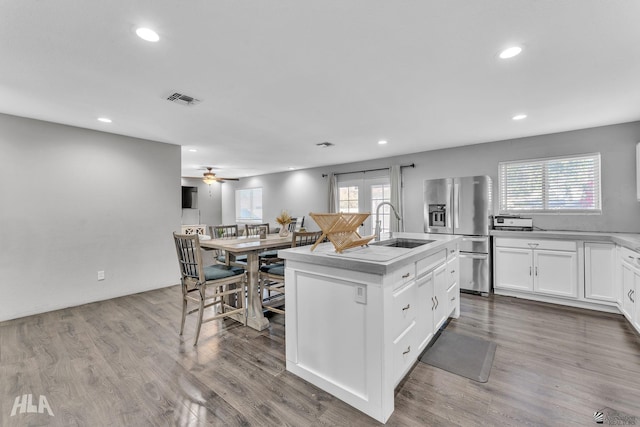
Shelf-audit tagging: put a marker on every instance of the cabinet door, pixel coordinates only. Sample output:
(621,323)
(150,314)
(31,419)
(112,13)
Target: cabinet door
(555,273)
(440,310)
(513,269)
(599,271)
(634,297)
(628,289)
(424,316)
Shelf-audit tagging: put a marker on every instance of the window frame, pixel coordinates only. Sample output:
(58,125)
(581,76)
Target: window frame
(238,196)
(545,163)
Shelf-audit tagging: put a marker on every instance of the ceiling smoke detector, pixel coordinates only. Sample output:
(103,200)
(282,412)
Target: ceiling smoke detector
(181,98)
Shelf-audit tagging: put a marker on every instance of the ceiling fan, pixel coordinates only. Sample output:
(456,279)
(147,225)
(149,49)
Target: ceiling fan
(209,177)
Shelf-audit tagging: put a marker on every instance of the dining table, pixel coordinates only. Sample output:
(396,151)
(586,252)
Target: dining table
(251,246)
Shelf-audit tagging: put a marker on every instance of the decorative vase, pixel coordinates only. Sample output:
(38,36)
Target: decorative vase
(284,231)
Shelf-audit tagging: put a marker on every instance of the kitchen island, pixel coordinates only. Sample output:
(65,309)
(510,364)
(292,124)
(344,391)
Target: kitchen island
(357,321)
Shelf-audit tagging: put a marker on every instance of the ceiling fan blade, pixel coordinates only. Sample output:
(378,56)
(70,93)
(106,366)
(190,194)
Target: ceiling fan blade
(229,179)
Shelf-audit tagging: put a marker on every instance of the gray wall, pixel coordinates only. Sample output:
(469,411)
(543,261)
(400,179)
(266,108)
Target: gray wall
(305,191)
(75,201)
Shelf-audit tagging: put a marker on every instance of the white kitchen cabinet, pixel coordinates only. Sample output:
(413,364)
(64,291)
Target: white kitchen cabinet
(433,304)
(630,275)
(441,305)
(513,269)
(554,273)
(599,271)
(424,317)
(547,267)
(628,291)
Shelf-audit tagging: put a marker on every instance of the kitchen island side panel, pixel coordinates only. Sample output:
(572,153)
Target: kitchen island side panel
(324,308)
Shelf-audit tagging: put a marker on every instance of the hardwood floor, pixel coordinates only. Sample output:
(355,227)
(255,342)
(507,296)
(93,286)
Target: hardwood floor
(121,362)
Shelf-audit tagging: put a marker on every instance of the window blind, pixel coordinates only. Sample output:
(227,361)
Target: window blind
(555,185)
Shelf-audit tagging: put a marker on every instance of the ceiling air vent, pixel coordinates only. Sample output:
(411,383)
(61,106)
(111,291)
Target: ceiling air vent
(325,145)
(182,99)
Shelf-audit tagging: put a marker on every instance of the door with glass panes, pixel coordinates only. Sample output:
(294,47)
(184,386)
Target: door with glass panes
(364,195)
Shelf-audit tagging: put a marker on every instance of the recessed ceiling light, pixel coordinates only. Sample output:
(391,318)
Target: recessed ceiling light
(510,52)
(292,168)
(193,150)
(104,119)
(147,34)
(519,117)
(382,142)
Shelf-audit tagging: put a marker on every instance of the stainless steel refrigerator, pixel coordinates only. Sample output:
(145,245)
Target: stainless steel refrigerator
(463,206)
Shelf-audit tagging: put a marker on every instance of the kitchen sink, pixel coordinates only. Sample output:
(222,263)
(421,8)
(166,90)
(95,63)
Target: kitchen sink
(402,243)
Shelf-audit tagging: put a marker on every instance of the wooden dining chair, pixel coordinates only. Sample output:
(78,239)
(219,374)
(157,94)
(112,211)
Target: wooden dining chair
(266,257)
(216,286)
(254,229)
(272,275)
(226,232)
(223,231)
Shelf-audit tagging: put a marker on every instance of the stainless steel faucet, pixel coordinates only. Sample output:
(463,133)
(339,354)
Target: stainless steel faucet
(378,225)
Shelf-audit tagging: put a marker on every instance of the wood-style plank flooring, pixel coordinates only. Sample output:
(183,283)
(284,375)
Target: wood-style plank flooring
(122,363)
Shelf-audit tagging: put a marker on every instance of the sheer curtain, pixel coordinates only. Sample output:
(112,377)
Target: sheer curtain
(333,193)
(395,179)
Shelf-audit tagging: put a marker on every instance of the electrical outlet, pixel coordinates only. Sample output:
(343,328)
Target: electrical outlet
(101,275)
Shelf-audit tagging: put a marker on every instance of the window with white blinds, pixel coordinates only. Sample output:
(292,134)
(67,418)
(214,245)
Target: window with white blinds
(555,185)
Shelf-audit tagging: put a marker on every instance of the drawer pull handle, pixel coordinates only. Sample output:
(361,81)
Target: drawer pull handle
(407,307)
(529,271)
(437,302)
(453,298)
(407,350)
(433,303)
(536,270)
(453,271)
(404,276)
(632,292)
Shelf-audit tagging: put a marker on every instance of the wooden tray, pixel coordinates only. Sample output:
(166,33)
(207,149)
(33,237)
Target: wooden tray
(340,229)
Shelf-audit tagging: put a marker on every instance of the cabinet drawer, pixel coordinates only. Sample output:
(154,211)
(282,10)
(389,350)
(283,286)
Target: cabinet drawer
(452,270)
(404,353)
(403,276)
(453,294)
(430,262)
(554,245)
(403,308)
(632,257)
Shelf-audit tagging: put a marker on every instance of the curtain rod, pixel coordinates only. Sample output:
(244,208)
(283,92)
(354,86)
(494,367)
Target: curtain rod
(412,165)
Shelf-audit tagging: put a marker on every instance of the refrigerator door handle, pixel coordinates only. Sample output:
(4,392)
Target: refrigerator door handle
(474,239)
(473,256)
(456,205)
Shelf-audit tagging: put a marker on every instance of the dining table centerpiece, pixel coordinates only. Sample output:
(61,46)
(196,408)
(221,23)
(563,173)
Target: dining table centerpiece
(284,219)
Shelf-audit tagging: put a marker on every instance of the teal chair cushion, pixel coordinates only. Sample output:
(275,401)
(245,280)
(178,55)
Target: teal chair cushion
(277,269)
(215,272)
(269,254)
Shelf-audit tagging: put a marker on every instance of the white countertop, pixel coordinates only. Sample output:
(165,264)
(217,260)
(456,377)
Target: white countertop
(628,240)
(372,258)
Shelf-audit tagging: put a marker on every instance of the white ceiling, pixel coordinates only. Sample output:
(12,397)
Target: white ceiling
(277,77)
